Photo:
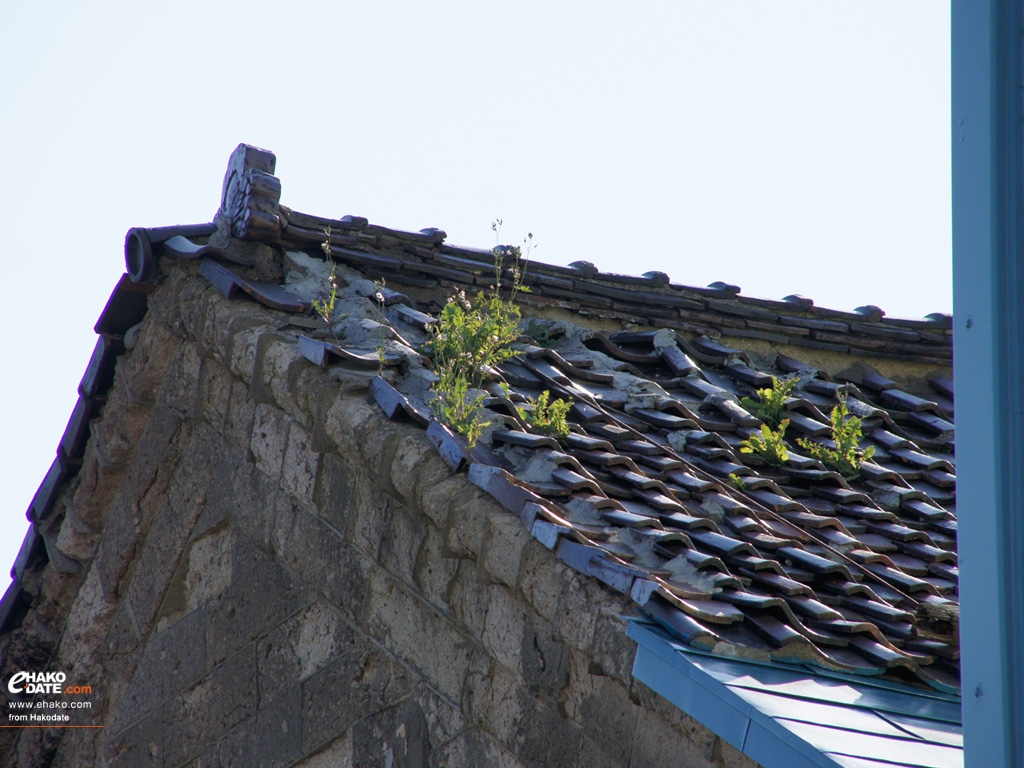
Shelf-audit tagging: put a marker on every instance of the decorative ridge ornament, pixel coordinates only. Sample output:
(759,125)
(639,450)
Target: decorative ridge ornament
(250,197)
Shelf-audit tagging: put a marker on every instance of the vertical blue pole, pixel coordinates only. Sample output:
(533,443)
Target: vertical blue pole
(988,300)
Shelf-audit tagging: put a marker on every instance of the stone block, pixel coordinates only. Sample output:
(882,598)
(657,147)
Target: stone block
(97,487)
(181,384)
(361,679)
(395,738)
(443,717)
(300,465)
(81,749)
(162,305)
(262,595)
(122,633)
(142,370)
(577,609)
(320,558)
(76,539)
(400,543)
(243,495)
(655,742)
(197,718)
(155,461)
(504,540)
(271,739)
(403,466)
(528,723)
(418,633)
(140,746)
(190,306)
(505,626)
(172,661)
(269,441)
(208,569)
(278,368)
(172,528)
(241,413)
(85,627)
(543,660)
(593,755)
(439,489)
(468,598)
(312,389)
(219,316)
(199,460)
(612,650)
(472,749)
(116,435)
(603,707)
(541,579)
(493,702)
(368,518)
(464,534)
(434,571)
(244,345)
(220,499)
(208,758)
(334,491)
(293,651)
(214,398)
(545,737)
(350,417)
(118,545)
(336,754)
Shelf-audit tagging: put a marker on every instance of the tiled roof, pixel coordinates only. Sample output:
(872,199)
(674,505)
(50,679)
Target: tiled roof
(800,566)
(426,259)
(857,576)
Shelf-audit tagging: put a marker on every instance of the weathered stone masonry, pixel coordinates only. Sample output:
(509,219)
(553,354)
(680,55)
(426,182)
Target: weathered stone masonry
(276,575)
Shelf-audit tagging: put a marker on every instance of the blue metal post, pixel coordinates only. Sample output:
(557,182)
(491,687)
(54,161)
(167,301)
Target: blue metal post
(988,298)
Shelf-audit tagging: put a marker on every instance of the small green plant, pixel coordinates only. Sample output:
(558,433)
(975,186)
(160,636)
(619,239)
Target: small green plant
(539,333)
(324,307)
(772,403)
(770,445)
(846,457)
(378,295)
(470,337)
(737,482)
(547,418)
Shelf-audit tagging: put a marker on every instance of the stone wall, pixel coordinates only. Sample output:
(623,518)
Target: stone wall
(275,575)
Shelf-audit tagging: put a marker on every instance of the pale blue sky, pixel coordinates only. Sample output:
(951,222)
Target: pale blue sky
(788,147)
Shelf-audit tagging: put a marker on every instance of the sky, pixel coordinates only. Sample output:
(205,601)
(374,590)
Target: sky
(785,147)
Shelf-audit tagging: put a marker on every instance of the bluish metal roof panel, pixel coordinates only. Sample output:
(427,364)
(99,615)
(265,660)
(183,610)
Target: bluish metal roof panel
(728,721)
(929,730)
(847,761)
(905,752)
(766,744)
(805,682)
(865,696)
(808,711)
(786,715)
